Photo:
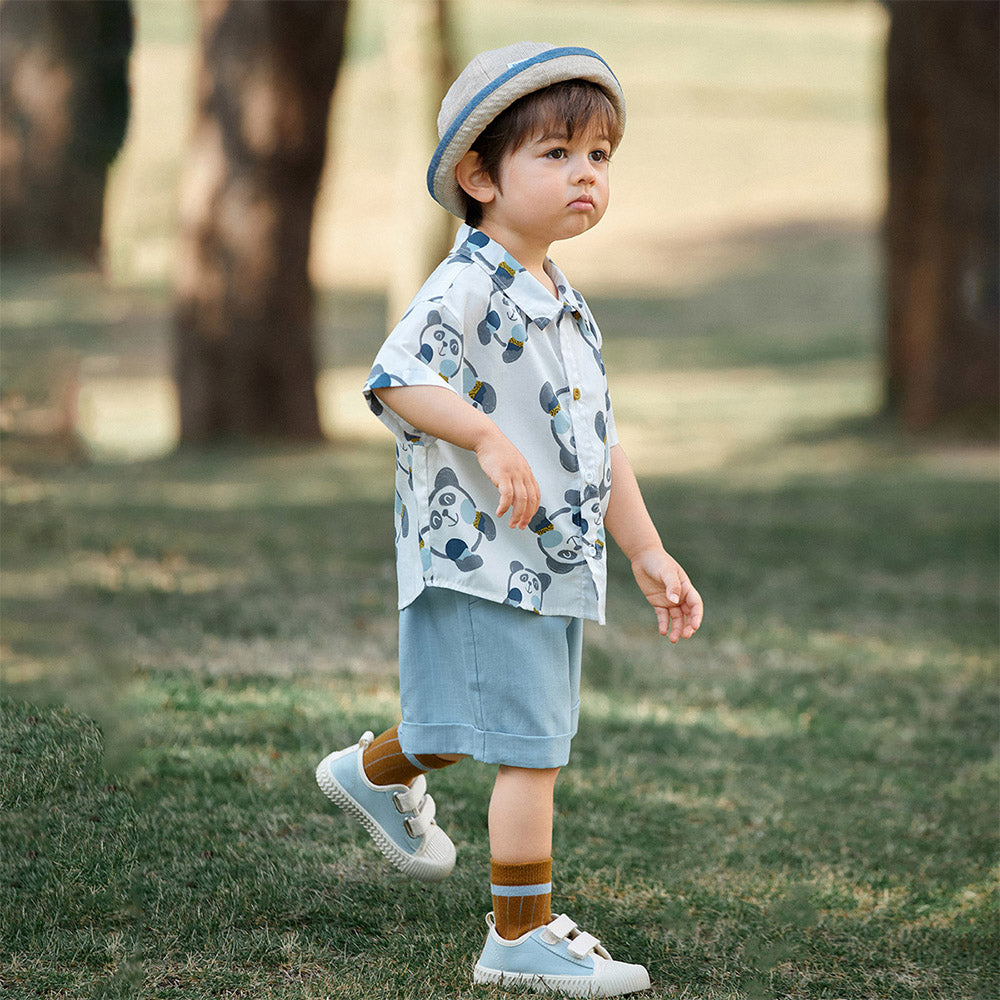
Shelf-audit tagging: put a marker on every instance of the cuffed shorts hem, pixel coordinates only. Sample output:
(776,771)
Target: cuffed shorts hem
(488,748)
(491,681)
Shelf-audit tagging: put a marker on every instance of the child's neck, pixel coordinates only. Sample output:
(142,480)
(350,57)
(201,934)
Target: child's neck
(529,255)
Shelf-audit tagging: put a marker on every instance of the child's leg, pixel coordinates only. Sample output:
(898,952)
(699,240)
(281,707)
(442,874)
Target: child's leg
(525,945)
(520,820)
(521,814)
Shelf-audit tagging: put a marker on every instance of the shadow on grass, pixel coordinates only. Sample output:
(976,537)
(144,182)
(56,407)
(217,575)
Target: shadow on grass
(296,548)
(802,797)
(800,802)
(797,294)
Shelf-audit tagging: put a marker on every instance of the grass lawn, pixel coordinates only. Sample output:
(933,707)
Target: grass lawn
(801,802)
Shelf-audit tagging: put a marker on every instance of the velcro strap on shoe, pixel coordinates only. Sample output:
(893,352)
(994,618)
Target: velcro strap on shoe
(583,944)
(419,824)
(558,928)
(409,801)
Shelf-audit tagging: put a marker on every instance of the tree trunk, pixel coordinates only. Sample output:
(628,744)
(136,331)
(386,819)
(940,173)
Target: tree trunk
(941,231)
(245,357)
(64,105)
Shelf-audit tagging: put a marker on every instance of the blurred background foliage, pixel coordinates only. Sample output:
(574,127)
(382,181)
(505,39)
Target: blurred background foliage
(746,228)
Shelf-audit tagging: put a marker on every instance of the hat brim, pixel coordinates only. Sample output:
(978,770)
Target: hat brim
(542,70)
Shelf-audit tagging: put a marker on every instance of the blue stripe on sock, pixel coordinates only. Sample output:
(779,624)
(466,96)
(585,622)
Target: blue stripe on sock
(542,889)
(413,760)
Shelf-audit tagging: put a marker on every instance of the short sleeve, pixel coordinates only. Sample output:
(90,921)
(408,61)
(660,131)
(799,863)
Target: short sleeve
(425,348)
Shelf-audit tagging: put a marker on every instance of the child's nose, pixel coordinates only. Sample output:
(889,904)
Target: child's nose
(585,169)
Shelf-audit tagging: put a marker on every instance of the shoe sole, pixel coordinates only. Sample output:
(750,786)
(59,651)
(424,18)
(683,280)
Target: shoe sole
(567,986)
(418,868)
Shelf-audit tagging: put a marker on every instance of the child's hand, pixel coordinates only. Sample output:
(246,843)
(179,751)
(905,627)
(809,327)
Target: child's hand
(510,473)
(677,604)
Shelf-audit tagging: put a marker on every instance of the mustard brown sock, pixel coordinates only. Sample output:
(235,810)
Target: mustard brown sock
(385,762)
(522,896)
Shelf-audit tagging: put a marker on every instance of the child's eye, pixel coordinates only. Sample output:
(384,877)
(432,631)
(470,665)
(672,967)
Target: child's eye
(599,156)
(556,154)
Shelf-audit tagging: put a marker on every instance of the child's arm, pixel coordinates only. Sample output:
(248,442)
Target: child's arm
(442,414)
(660,577)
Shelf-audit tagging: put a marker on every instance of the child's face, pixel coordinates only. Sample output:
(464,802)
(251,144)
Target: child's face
(551,187)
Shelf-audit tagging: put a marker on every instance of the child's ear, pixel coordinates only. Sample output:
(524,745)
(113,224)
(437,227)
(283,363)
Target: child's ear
(473,180)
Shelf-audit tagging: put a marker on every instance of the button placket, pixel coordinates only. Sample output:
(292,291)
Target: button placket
(586,438)
(589,459)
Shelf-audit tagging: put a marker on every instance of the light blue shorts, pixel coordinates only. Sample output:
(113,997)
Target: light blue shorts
(495,682)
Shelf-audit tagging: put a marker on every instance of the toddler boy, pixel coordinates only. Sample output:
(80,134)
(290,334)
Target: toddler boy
(493,382)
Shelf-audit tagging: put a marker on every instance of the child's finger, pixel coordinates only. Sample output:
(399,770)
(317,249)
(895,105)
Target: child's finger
(696,616)
(662,620)
(676,623)
(526,500)
(506,497)
(696,608)
(533,501)
(517,511)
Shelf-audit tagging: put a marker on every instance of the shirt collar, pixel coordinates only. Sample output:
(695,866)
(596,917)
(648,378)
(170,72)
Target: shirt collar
(523,288)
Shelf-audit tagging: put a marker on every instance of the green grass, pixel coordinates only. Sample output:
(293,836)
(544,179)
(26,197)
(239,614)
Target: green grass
(800,803)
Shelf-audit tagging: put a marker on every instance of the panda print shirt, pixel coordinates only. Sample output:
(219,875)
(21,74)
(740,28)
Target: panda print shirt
(486,329)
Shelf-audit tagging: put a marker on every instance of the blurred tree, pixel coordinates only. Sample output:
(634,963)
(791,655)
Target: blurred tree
(64,106)
(941,233)
(243,320)
(421,36)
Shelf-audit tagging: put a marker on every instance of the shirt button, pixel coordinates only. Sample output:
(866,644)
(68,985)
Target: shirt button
(576,393)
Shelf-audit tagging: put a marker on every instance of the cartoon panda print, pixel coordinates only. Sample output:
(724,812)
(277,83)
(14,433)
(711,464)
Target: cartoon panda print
(402,518)
(504,273)
(525,588)
(443,349)
(588,332)
(489,328)
(560,424)
(404,462)
(441,346)
(601,429)
(563,553)
(379,378)
(404,465)
(586,509)
(457,527)
(481,394)
(476,240)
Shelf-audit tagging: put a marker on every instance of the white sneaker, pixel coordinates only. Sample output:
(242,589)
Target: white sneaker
(400,819)
(556,958)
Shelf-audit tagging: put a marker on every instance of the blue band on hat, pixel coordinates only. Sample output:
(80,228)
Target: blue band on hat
(518,67)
